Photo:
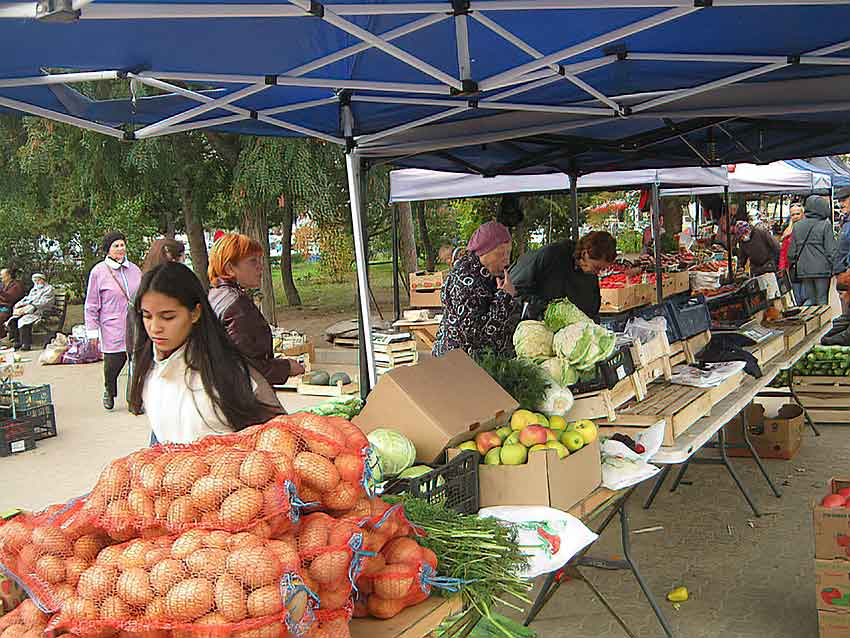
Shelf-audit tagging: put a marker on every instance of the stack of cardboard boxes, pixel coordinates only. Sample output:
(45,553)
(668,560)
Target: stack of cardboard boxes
(832,565)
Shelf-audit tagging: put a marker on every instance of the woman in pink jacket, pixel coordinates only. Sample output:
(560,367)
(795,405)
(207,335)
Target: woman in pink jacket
(112,284)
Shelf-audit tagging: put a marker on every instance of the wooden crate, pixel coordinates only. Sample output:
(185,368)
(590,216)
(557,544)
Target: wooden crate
(337,390)
(603,403)
(661,368)
(794,336)
(694,345)
(726,388)
(644,354)
(769,349)
(678,405)
(678,359)
(826,399)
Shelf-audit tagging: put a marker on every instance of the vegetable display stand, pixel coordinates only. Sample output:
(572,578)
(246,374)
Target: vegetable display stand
(604,403)
(677,353)
(678,405)
(644,354)
(660,368)
(826,399)
(414,622)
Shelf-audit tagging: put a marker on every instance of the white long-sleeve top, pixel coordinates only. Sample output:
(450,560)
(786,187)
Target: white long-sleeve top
(176,403)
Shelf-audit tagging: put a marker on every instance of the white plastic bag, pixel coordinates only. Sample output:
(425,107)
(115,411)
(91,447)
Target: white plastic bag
(646,330)
(549,537)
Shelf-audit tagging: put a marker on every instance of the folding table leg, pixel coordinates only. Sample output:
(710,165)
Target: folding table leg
(550,586)
(757,458)
(627,552)
(657,486)
(721,434)
(797,401)
(680,475)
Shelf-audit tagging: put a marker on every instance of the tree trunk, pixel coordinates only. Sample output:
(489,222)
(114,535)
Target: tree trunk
(255,224)
(408,260)
(197,241)
(430,254)
(520,233)
(289,289)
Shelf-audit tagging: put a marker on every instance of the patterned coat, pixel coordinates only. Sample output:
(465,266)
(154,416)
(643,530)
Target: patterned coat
(475,312)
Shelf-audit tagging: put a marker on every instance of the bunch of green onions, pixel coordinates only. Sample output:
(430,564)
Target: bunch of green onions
(482,553)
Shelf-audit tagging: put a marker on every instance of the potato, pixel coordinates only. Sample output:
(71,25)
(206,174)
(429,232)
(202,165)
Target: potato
(118,512)
(140,504)
(343,497)
(155,609)
(228,465)
(316,471)
(230,598)
(256,470)
(350,467)
(150,478)
(190,599)
(134,587)
(286,552)
(208,493)
(87,547)
(79,609)
(113,608)
(279,441)
(254,566)
(52,541)
(64,591)
(133,554)
(109,555)
(13,536)
(181,476)
(156,555)
(262,529)
(333,599)
(241,508)
(330,567)
(160,507)
(74,567)
(187,543)
(265,601)
(243,540)
(207,562)
(181,512)
(115,479)
(31,615)
(50,568)
(273,630)
(97,582)
(167,573)
(217,539)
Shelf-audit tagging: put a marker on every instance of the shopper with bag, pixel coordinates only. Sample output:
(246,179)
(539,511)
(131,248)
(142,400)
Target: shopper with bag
(112,284)
(812,252)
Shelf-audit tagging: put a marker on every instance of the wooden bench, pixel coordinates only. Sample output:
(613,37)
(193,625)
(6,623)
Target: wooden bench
(55,320)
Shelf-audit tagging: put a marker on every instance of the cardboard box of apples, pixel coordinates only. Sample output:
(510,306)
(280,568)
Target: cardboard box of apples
(537,461)
(531,432)
(831,522)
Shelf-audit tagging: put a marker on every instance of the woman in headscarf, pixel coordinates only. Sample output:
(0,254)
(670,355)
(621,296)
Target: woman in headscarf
(29,311)
(757,246)
(112,284)
(478,295)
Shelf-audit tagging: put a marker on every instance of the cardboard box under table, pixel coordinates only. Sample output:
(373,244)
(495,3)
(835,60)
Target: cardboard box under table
(777,437)
(831,526)
(832,578)
(543,480)
(425,288)
(439,402)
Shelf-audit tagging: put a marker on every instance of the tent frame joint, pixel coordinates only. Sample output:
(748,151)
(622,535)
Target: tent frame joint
(317,9)
(460,7)
(129,136)
(253,115)
(468,87)
(703,4)
(270,80)
(56,11)
(794,59)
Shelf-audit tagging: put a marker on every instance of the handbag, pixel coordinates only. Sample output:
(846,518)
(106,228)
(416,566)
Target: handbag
(792,268)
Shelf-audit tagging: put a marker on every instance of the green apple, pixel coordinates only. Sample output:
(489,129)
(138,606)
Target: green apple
(504,432)
(468,445)
(493,456)
(513,439)
(535,448)
(562,450)
(522,418)
(587,429)
(552,435)
(572,440)
(541,419)
(570,427)
(514,454)
(557,422)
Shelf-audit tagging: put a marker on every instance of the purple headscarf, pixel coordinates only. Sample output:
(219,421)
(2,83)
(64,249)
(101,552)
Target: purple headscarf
(488,236)
(743,230)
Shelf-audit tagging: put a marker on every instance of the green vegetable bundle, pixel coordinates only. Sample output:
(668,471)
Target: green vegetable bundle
(347,408)
(482,553)
(825,361)
(521,378)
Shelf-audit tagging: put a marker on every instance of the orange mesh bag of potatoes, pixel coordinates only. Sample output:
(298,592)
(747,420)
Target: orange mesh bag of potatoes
(25,621)
(330,456)
(204,583)
(46,558)
(383,523)
(211,484)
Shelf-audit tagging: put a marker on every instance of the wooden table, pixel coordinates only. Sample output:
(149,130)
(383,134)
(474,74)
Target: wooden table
(413,622)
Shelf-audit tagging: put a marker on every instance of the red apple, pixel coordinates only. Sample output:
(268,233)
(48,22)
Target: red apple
(843,540)
(833,500)
(486,441)
(533,435)
(845,492)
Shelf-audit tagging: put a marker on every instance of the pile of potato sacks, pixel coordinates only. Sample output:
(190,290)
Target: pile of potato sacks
(266,533)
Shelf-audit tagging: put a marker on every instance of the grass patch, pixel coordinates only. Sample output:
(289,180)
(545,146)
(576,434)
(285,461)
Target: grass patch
(317,291)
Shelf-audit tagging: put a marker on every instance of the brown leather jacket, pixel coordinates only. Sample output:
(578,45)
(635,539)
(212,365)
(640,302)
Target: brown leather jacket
(249,330)
(12,294)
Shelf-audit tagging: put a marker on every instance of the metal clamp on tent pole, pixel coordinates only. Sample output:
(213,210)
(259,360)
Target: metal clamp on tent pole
(468,87)
(56,11)
(460,7)
(316,9)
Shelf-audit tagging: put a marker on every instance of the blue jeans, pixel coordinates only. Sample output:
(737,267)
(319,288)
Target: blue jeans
(816,291)
(799,293)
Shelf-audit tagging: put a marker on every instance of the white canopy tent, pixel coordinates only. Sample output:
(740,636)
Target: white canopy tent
(776,177)
(414,184)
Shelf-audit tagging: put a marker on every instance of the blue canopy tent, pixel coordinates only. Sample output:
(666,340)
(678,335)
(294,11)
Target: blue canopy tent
(481,86)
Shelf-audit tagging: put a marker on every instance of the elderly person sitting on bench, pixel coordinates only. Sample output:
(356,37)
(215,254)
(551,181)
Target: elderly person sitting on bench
(29,311)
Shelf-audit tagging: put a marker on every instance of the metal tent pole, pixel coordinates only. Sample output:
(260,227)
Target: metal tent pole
(782,210)
(656,238)
(396,296)
(574,201)
(368,376)
(728,235)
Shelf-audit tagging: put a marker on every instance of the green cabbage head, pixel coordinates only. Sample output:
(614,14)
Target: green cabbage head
(563,312)
(533,340)
(394,450)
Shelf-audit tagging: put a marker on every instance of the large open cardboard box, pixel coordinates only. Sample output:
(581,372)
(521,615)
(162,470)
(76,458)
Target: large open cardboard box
(543,480)
(440,402)
(832,526)
(778,437)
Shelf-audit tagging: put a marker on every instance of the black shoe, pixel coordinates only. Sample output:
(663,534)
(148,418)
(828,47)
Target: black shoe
(108,401)
(26,348)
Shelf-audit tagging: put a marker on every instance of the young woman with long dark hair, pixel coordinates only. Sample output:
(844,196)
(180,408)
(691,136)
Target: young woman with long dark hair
(189,378)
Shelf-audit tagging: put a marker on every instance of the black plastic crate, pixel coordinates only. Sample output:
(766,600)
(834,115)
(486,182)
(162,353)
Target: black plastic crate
(16,435)
(662,310)
(616,322)
(691,318)
(44,419)
(609,372)
(453,485)
(784,281)
(26,396)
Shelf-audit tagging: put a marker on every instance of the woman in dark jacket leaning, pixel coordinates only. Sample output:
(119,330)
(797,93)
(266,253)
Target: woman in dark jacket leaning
(236,263)
(757,246)
(478,296)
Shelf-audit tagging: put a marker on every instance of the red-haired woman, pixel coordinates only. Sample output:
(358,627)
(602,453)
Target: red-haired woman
(236,263)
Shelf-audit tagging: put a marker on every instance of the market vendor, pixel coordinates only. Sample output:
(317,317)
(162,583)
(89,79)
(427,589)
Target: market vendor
(566,270)
(478,295)
(757,246)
